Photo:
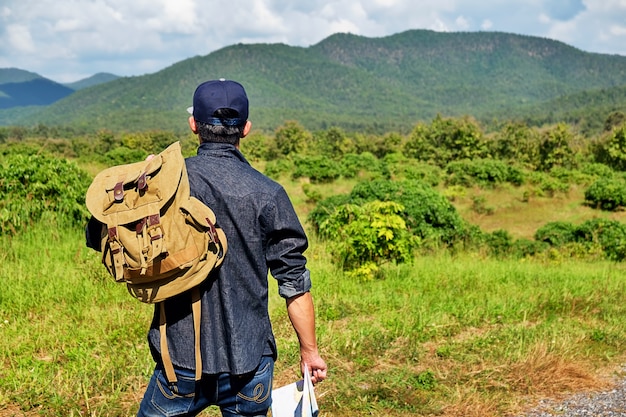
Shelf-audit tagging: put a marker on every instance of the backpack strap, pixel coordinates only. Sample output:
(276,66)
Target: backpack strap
(197,311)
(170,374)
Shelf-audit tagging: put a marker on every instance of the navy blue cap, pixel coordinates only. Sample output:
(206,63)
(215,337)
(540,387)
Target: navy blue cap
(219,94)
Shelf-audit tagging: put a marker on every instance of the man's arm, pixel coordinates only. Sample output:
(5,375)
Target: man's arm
(302,315)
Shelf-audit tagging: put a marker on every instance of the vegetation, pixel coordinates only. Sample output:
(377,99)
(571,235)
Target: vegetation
(457,271)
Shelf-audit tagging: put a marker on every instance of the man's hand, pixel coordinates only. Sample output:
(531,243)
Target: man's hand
(316,366)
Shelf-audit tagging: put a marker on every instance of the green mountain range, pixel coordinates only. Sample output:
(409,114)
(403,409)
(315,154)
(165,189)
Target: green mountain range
(365,84)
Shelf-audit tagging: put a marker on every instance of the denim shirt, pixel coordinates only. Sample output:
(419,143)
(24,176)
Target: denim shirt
(263,234)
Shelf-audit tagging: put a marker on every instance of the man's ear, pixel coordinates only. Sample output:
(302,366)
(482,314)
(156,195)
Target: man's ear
(246,129)
(192,125)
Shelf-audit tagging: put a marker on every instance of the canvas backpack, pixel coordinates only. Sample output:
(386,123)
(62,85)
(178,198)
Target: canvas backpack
(156,238)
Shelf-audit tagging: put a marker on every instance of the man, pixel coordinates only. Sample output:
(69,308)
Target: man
(263,233)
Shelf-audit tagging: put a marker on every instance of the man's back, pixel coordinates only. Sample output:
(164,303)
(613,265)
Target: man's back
(263,232)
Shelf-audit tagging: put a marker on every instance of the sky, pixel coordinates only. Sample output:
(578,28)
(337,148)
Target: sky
(68,40)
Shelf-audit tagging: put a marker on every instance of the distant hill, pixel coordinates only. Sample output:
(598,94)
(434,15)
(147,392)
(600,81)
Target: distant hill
(99,78)
(20,88)
(16,75)
(366,84)
(36,92)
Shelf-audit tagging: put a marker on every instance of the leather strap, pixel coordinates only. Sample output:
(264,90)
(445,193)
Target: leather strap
(197,312)
(165,352)
(170,374)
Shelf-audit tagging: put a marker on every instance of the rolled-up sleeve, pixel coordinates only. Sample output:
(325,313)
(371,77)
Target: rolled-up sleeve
(286,243)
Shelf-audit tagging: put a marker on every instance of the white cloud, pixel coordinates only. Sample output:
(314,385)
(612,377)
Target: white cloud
(62,39)
(486,24)
(18,37)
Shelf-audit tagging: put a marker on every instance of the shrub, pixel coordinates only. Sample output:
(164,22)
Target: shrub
(400,167)
(606,194)
(32,186)
(428,214)
(548,185)
(556,233)
(484,172)
(123,155)
(351,165)
(319,169)
(278,167)
(609,234)
(374,232)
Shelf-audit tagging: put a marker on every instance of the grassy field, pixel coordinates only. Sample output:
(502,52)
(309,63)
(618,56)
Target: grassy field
(449,335)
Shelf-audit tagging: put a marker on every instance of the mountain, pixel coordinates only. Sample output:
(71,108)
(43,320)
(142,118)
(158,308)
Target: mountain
(99,78)
(36,92)
(360,83)
(20,88)
(16,75)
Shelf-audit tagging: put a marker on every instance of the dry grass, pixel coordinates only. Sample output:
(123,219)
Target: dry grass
(522,216)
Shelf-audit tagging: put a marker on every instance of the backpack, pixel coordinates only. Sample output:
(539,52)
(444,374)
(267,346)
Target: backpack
(156,238)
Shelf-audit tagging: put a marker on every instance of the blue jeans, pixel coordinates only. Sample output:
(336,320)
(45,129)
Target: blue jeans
(240,395)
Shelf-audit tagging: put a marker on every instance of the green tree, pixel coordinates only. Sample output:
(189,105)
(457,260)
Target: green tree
(613,150)
(292,137)
(555,149)
(446,140)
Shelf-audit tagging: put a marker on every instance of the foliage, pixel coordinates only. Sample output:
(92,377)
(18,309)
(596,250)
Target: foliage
(608,235)
(556,233)
(483,172)
(32,185)
(606,194)
(546,184)
(374,232)
(292,138)
(123,155)
(398,166)
(555,148)
(446,140)
(428,214)
(355,165)
(319,169)
(612,149)
(516,142)
(278,167)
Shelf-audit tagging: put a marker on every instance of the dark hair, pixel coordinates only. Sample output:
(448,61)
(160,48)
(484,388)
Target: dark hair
(221,133)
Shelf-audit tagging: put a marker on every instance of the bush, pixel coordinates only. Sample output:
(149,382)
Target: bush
(428,214)
(351,165)
(556,233)
(606,194)
(319,169)
(32,186)
(123,155)
(484,172)
(372,233)
(278,167)
(399,166)
(609,234)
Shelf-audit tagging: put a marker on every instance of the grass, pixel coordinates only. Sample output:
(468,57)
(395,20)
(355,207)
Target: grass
(461,335)
(447,335)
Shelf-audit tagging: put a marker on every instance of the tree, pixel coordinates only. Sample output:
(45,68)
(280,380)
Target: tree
(555,149)
(292,137)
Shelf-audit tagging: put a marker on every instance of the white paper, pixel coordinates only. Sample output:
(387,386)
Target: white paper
(296,399)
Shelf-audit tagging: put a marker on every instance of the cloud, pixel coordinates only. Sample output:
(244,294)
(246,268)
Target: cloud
(71,39)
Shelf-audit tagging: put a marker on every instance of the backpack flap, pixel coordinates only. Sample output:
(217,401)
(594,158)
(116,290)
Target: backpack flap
(128,193)
(131,200)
